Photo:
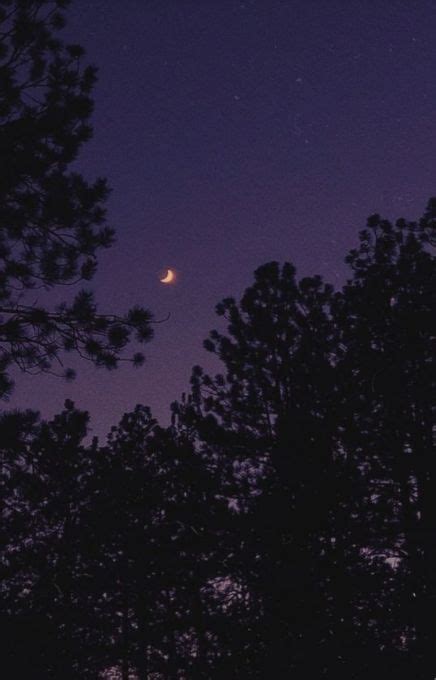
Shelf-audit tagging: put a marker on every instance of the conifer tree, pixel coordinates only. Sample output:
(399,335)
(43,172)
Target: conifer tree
(271,415)
(387,320)
(45,556)
(52,220)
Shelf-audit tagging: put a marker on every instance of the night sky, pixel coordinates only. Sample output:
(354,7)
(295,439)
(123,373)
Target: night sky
(234,133)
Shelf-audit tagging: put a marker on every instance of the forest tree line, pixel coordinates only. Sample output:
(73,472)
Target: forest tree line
(284,524)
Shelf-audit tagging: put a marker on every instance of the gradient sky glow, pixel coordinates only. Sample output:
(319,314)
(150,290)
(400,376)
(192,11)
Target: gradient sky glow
(234,133)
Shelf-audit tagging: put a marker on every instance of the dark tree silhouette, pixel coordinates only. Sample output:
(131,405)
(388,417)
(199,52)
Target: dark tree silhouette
(52,221)
(387,320)
(110,554)
(160,524)
(45,595)
(310,530)
(272,416)
(283,525)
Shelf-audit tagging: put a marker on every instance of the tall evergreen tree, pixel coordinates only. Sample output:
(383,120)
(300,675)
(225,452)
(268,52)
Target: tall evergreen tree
(45,576)
(155,523)
(52,220)
(271,415)
(387,320)
(309,546)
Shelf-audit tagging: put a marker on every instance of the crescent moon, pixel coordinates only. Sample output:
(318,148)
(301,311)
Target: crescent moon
(169,277)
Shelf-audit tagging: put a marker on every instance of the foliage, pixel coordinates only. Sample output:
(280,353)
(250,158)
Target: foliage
(283,524)
(52,220)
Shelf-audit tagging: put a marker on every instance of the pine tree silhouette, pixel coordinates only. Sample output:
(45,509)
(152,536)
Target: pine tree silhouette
(52,220)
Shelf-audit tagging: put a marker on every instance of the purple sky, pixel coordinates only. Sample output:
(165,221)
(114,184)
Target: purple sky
(234,133)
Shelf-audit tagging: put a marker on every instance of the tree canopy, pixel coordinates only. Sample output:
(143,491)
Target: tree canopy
(282,525)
